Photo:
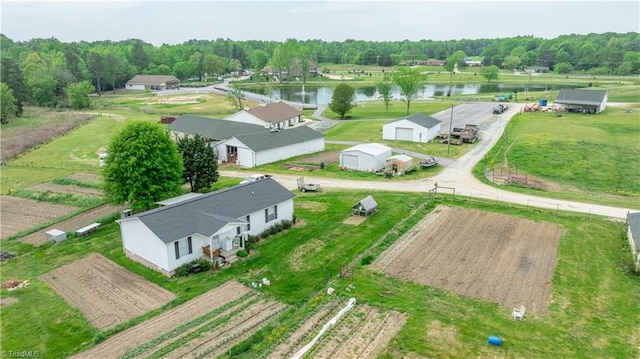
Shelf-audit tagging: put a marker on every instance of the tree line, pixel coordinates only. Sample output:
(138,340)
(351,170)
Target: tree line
(48,72)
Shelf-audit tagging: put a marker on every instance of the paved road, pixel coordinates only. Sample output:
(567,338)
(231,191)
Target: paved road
(457,174)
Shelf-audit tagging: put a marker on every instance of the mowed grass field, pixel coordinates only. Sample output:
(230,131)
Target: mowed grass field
(593,309)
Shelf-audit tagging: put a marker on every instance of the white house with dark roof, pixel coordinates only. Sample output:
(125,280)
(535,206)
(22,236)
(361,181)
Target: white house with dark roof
(581,101)
(153,82)
(250,145)
(169,236)
(277,115)
(633,234)
(415,128)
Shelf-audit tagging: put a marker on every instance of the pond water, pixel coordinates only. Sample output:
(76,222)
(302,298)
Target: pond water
(321,95)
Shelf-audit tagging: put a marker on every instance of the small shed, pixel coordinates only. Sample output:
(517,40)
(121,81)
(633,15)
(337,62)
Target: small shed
(633,235)
(368,157)
(56,235)
(398,164)
(365,207)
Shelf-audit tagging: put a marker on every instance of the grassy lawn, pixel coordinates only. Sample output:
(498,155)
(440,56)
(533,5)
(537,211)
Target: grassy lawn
(592,311)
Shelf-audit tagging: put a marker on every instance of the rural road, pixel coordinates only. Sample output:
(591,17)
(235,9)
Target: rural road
(457,173)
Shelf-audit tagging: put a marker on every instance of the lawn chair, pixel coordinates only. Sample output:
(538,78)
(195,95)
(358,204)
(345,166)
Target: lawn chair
(518,313)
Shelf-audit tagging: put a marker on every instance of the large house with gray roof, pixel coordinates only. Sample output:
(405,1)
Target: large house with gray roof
(169,236)
(278,115)
(418,127)
(581,101)
(153,82)
(249,145)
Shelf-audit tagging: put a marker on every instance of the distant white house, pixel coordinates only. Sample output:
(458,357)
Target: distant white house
(250,145)
(581,101)
(369,157)
(167,237)
(415,128)
(153,82)
(278,115)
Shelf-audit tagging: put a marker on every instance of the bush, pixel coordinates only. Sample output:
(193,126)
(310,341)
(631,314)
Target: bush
(242,254)
(286,224)
(198,265)
(367,260)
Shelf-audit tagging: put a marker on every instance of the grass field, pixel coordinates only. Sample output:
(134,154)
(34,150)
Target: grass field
(593,309)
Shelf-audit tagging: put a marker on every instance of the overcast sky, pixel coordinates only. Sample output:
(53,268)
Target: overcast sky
(174,22)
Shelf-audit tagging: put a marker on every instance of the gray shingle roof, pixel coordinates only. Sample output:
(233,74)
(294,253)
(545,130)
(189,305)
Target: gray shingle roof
(366,204)
(275,112)
(210,212)
(152,79)
(633,219)
(421,119)
(213,128)
(581,97)
(274,139)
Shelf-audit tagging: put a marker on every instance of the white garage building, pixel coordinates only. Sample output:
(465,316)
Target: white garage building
(369,157)
(415,128)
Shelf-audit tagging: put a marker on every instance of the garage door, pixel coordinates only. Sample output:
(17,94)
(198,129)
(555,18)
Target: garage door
(350,161)
(404,134)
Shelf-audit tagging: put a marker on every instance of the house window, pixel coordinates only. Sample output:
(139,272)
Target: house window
(183,247)
(270,213)
(248,223)
(238,230)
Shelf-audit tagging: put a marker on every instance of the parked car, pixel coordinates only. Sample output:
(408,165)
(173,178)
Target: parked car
(255,177)
(499,109)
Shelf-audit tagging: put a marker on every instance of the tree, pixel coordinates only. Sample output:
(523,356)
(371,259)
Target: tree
(200,163)
(490,72)
(341,99)
(384,88)
(9,108)
(235,96)
(563,68)
(143,166)
(78,94)
(409,81)
(11,75)
(259,59)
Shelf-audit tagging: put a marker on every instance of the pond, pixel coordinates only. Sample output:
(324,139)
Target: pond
(321,95)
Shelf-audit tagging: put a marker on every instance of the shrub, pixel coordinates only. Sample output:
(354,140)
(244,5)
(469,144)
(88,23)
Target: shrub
(195,266)
(98,338)
(286,224)
(242,254)
(367,260)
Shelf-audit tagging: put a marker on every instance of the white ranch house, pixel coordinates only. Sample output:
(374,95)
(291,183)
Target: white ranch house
(167,237)
(367,157)
(153,82)
(278,115)
(249,145)
(415,128)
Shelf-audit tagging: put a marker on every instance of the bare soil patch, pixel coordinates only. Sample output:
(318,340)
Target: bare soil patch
(104,292)
(326,157)
(52,187)
(363,332)
(86,177)
(176,100)
(71,225)
(206,326)
(354,220)
(505,259)
(20,214)
(7,301)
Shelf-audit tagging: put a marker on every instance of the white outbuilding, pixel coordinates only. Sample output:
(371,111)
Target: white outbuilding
(368,157)
(415,128)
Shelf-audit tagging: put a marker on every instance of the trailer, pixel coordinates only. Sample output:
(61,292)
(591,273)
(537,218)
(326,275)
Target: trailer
(304,187)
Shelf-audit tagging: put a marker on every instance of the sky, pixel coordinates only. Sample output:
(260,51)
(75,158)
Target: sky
(173,22)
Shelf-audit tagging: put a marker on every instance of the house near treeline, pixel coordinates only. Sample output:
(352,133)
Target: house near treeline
(581,101)
(278,115)
(249,145)
(190,227)
(633,235)
(153,82)
(367,157)
(418,127)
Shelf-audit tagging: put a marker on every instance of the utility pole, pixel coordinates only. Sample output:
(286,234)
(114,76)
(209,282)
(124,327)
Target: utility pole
(450,126)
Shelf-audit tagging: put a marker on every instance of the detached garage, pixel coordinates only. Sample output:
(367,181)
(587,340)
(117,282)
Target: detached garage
(368,157)
(415,128)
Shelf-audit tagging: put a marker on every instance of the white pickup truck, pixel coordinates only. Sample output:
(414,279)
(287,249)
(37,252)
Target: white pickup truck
(255,177)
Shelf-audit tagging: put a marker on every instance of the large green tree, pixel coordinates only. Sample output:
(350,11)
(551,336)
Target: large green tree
(409,81)
(490,72)
(78,94)
(143,166)
(200,163)
(11,75)
(8,108)
(341,100)
(384,88)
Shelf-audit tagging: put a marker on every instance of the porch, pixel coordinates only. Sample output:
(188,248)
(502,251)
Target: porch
(220,256)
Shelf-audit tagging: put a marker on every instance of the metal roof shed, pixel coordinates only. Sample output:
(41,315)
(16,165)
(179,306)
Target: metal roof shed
(365,207)
(56,235)
(368,157)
